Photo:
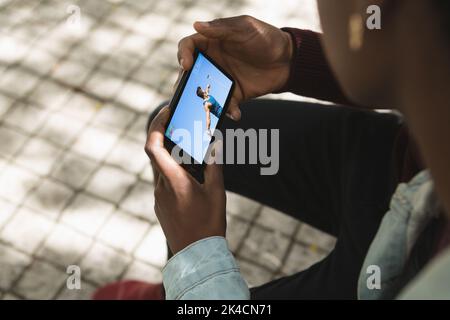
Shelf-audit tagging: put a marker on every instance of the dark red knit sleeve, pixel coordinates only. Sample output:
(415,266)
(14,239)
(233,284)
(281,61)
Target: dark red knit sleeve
(310,74)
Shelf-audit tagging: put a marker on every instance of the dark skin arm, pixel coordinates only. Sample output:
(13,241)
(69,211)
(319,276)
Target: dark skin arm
(206,106)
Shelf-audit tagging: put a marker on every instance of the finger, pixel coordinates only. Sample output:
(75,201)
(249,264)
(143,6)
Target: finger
(233,111)
(154,147)
(180,74)
(186,48)
(213,172)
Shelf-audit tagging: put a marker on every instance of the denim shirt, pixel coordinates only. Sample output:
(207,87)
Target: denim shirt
(207,269)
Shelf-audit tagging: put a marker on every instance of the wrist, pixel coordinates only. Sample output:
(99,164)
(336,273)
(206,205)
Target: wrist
(285,60)
(288,48)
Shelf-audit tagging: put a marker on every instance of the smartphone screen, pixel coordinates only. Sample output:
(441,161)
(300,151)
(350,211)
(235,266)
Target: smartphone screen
(200,106)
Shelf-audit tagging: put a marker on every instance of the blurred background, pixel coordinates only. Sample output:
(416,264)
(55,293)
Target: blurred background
(77,82)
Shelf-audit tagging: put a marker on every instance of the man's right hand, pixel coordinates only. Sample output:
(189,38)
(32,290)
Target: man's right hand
(256,54)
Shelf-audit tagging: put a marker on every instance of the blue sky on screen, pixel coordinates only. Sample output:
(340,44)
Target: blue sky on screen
(190,106)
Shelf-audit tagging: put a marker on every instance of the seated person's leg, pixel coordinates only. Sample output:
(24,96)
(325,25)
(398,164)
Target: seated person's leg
(335,173)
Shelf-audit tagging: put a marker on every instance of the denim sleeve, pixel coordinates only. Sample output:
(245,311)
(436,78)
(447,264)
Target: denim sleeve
(205,269)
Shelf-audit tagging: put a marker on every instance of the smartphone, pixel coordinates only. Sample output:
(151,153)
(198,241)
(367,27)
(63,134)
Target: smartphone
(197,109)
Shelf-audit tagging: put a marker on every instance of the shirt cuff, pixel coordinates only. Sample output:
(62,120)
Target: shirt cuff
(196,264)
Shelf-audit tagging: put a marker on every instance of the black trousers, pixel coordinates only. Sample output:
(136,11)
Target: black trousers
(336,173)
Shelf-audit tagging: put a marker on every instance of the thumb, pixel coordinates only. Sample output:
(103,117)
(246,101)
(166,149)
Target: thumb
(213,171)
(217,29)
(234,112)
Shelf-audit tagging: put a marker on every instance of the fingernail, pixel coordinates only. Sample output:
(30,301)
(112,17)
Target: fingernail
(181,63)
(236,114)
(203,24)
(229,115)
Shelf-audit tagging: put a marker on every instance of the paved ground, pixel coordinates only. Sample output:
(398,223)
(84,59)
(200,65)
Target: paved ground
(75,184)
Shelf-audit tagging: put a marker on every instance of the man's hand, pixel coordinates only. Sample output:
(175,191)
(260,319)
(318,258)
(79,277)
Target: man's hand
(187,210)
(255,53)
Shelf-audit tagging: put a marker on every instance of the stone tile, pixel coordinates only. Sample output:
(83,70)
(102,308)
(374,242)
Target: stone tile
(10,141)
(180,30)
(114,117)
(96,9)
(137,130)
(138,97)
(26,117)
(104,39)
(10,296)
(153,25)
(5,104)
(50,95)
(64,246)
(140,201)
(195,12)
(253,275)
(84,55)
(87,214)
(71,73)
(95,143)
(312,236)
(2,68)
(81,107)
(15,183)
(241,206)
(18,82)
(147,174)
(26,230)
(74,170)
(236,231)
(301,258)
(165,54)
(61,129)
(120,64)
(136,45)
(85,293)
(154,76)
(166,9)
(13,263)
(276,220)
(128,155)
(104,85)
(143,272)
(39,61)
(3,163)
(50,198)
(123,231)
(110,183)
(142,6)
(40,282)
(153,248)
(123,16)
(13,49)
(103,264)
(267,248)
(6,211)
(55,44)
(38,156)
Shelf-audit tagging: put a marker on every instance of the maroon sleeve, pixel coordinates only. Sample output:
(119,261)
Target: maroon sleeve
(310,74)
